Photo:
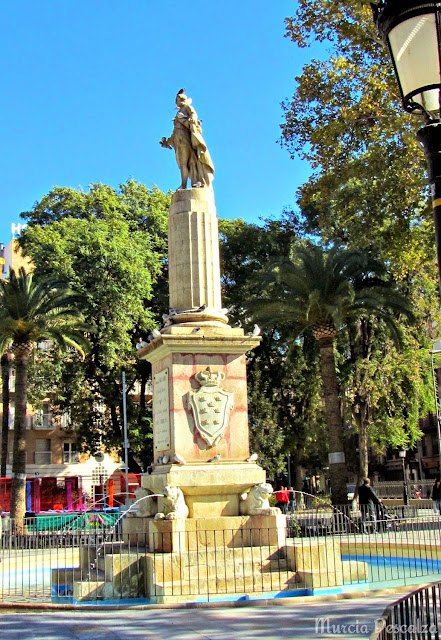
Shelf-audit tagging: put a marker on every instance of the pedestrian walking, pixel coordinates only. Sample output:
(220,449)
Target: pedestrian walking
(436,496)
(282,499)
(368,501)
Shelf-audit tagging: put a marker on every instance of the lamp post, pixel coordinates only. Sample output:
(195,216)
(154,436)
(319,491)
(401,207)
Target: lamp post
(126,442)
(412,31)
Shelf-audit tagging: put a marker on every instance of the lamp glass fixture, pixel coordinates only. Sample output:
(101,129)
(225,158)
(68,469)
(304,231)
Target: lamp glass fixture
(415,49)
(412,30)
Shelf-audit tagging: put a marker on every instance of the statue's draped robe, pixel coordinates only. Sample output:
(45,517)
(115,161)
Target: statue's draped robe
(188,132)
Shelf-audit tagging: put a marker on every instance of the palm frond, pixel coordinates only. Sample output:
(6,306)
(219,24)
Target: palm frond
(334,287)
(31,311)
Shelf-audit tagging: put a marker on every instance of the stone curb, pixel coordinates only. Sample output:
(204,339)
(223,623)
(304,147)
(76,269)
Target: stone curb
(6,607)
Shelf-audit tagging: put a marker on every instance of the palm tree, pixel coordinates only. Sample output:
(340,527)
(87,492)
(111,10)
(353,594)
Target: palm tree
(5,370)
(30,312)
(323,291)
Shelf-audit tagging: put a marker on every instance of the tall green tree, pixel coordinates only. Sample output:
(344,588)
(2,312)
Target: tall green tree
(368,186)
(285,411)
(29,313)
(325,291)
(110,245)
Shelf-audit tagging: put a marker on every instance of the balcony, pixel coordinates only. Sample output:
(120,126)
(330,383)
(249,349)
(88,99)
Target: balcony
(43,457)
(43,421)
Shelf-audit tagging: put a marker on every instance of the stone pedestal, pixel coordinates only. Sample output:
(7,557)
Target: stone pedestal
(209,489)
(178,356)
(201,446)
(185,535)
(235,557)
(193,258)
(317,562)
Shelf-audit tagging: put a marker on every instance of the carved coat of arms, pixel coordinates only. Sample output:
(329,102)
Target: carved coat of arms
(211,406)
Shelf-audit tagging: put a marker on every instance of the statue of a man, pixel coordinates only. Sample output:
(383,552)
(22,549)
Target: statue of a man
(192,155)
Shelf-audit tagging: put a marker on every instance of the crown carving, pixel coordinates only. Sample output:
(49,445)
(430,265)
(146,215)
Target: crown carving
(209,378)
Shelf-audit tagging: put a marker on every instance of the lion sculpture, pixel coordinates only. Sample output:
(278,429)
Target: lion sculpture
(172,506)
(256,502)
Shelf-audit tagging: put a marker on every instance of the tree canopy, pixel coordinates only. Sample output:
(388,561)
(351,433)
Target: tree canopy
(368,189)
(110,245)
(368,186)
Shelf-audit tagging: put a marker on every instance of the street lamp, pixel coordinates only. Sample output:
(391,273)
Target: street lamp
(412,31)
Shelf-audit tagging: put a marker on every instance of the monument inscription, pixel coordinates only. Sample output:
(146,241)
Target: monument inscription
(161,411)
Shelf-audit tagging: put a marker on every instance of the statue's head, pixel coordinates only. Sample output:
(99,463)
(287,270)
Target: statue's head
(171,492)
(181,98)
(264,489)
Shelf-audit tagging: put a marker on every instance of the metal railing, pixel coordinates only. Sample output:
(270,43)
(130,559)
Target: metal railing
(324,519)
(394,489)
(414,617)
(95,557)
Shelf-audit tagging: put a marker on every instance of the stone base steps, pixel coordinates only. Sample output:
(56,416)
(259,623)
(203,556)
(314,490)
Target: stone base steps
(225,572)
(161,571)
(229,584)
(125,576)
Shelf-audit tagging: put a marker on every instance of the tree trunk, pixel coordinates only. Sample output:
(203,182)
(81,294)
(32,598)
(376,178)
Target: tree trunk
(297,459)
(145,370)
(5,364)
(299,477)
(142,389)
(18,488)
(334,422)
(362,424)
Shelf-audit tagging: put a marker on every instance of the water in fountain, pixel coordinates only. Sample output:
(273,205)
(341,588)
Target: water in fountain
(116,523)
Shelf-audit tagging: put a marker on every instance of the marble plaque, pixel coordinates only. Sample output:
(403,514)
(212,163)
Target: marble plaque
(161,412)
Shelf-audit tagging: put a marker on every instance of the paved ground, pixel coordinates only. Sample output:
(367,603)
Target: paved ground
(304,621)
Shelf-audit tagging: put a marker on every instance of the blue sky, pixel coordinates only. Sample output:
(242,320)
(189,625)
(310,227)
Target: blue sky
(88,90)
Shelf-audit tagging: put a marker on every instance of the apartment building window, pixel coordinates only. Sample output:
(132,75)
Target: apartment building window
(45,345)
(43,418)
(70,453)
(43,453)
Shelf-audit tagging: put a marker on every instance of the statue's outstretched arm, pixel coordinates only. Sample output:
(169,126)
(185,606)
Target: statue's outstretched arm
(167,143)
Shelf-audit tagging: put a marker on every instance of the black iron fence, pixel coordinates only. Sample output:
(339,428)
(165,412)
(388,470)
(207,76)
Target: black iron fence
(419,489)
(414,617)
(319,550)
(324,519)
